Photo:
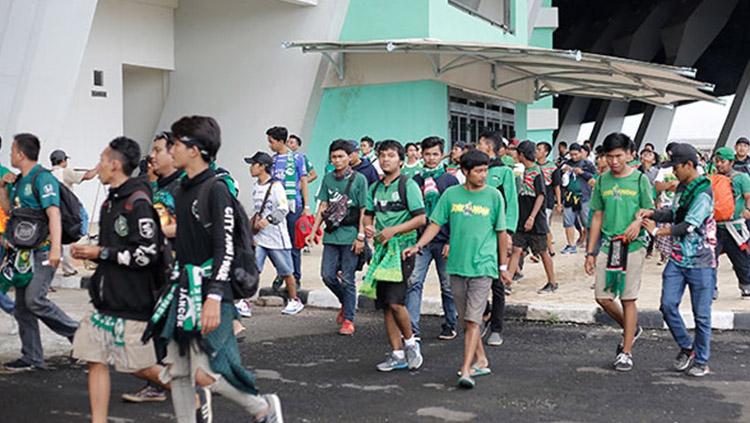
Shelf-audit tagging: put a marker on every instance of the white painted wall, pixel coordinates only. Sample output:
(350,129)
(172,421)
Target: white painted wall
(229,64)
(144,94)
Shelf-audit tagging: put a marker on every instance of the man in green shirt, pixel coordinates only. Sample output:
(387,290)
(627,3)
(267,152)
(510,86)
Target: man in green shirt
(393,213)
(501,177)
(343,194)
(413,165)
(477,255)
(729,234)
(617,198)
(32,303)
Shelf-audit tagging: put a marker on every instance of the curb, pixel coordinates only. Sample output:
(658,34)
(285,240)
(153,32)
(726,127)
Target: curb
(588,314)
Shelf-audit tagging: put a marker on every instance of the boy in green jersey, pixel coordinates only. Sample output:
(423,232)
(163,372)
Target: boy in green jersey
(617,198)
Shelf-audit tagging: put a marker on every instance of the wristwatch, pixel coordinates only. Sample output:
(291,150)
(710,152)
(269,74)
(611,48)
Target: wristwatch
(590,254)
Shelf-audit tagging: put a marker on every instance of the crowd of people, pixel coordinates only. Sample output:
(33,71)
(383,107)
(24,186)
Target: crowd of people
(168,288)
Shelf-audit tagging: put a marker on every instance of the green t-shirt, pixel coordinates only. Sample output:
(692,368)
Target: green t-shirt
(620,199)
(21,193)
(380,193)
(475,217)
(502,177)
(508,160)
(412,171)
(741,186)
(308,165)
(331,190)
(3,171)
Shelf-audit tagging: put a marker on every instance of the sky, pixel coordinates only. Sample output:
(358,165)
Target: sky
(699,120)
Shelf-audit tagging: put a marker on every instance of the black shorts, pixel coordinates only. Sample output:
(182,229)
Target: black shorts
(388,293)
(535,242)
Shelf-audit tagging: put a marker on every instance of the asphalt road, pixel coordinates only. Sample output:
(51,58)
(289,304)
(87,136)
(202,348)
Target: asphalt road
(542,373)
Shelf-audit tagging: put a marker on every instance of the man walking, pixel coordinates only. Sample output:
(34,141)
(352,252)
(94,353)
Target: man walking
(35,191)
(295,142)
(618,196)
(742,153)
(576,174)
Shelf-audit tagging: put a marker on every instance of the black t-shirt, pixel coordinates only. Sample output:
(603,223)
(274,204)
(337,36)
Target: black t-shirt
(532,186)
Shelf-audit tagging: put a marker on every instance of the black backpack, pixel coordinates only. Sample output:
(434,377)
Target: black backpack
(244,275)
(400,205)
(71,211)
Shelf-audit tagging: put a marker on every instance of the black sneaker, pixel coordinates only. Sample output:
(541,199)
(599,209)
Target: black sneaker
(517,277)
(684,360)
(447,333)
(624,362)
(508,290)
(204,413)
(638,333)
(19,366)
(745,293)
(548,289)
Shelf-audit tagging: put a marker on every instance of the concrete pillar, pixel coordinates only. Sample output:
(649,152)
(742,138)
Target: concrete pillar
(655,127)
(610,119)
(572,116)
(737,123)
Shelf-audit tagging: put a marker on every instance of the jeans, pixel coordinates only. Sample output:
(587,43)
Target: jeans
(701,283)
(740,259)
(6,303)
(433,251)
(281,260)
(570,216)
(335,258)
(291,221)
(33,305)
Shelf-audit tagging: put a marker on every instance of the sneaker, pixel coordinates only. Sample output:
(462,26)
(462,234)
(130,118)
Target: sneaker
(447,333)
(340,316)
(293,307)
(392,363)
(638,333)
(347,328)
(148,393)
(624,362)
(204,413)
(508,290)
(569,249)
(698,370)
(684,360)
(274,410)
(745,293)
(19,366)
(548,289)
(414,356)
(517,277)
(495,339)
(244,308)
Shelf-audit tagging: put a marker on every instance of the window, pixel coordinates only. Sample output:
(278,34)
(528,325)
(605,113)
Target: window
(496,12)
(470,115)
(98,78)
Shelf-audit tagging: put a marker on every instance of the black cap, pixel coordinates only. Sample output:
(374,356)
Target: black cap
(58,156)
(575,147)
(527,149)
(682,153)
(354,144)
(742,140)
(260,158)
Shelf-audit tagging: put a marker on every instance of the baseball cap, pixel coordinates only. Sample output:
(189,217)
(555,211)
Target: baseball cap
(260,158)
(528,149)
(725,153)
(742,140)
(682,153)
(58,156)
(354,144)
(575,147)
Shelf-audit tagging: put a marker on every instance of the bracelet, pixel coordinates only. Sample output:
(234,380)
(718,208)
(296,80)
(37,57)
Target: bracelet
(590,254)
(653,233)
(503,267)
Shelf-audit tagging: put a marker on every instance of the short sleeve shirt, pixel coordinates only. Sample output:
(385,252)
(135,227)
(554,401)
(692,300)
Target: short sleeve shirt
(290,174)
(331,190)
(47,187)
(532,186)
(381,195)
(477,216)
(741,187)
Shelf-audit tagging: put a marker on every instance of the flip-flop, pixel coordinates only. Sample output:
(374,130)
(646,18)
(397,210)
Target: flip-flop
(466,382)
(477,371)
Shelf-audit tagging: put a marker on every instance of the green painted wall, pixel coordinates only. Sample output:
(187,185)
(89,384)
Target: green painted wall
(541,37)
(450,23)
(368,20)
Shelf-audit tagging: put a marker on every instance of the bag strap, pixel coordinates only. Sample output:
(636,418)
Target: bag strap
(33,185)
(267,196)
(136,196)
(349,184)
(402,179)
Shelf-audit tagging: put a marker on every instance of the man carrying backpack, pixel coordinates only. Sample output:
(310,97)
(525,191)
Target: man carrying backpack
(33,201)
(343,195)
(122,288)
(732,234)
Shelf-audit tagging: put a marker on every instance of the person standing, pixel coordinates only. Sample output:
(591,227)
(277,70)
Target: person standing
(413,165)
(201,341)
(368,151)
(66,175)
(122,288)
(35,189)
(693,259)
(432,182)
(362,165)
(477,253)
(731,235)
(393,213)
(295,142)
(618,196)
(552,182)
(343,195)
(289,169)
(532,227)
(742,155)
(502,178)
(576,173)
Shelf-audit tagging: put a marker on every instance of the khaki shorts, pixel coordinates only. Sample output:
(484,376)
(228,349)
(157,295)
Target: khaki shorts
(632,276)
(96,345)
(470,296)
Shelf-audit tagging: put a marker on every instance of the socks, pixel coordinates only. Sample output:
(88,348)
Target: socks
(411,341)
(399,354)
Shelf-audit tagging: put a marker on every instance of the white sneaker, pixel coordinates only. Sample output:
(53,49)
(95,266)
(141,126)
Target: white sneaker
(244,308)
(293,307)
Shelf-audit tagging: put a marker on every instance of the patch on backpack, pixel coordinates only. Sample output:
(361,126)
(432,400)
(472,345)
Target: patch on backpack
(121,226)
(146,227)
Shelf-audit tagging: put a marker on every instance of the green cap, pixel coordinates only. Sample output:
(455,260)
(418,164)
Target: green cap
(725,153)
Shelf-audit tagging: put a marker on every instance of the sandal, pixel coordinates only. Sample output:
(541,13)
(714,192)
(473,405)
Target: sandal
(466,382)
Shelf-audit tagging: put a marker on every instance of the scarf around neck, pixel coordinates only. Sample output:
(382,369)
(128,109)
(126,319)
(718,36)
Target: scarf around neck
(699,185)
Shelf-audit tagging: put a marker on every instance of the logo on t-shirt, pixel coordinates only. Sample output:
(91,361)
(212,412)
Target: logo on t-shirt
(469,209)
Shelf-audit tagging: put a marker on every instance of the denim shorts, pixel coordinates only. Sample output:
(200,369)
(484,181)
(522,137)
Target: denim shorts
(281,259)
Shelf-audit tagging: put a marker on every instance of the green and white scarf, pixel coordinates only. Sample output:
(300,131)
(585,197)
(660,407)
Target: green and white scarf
(386,263)
(115,326)
(430,190)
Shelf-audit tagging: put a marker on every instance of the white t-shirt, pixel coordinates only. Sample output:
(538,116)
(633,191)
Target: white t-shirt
(67,176)
(273,237)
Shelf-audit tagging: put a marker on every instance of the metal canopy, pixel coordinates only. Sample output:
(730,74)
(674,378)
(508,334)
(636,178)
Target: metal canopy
(509,70)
